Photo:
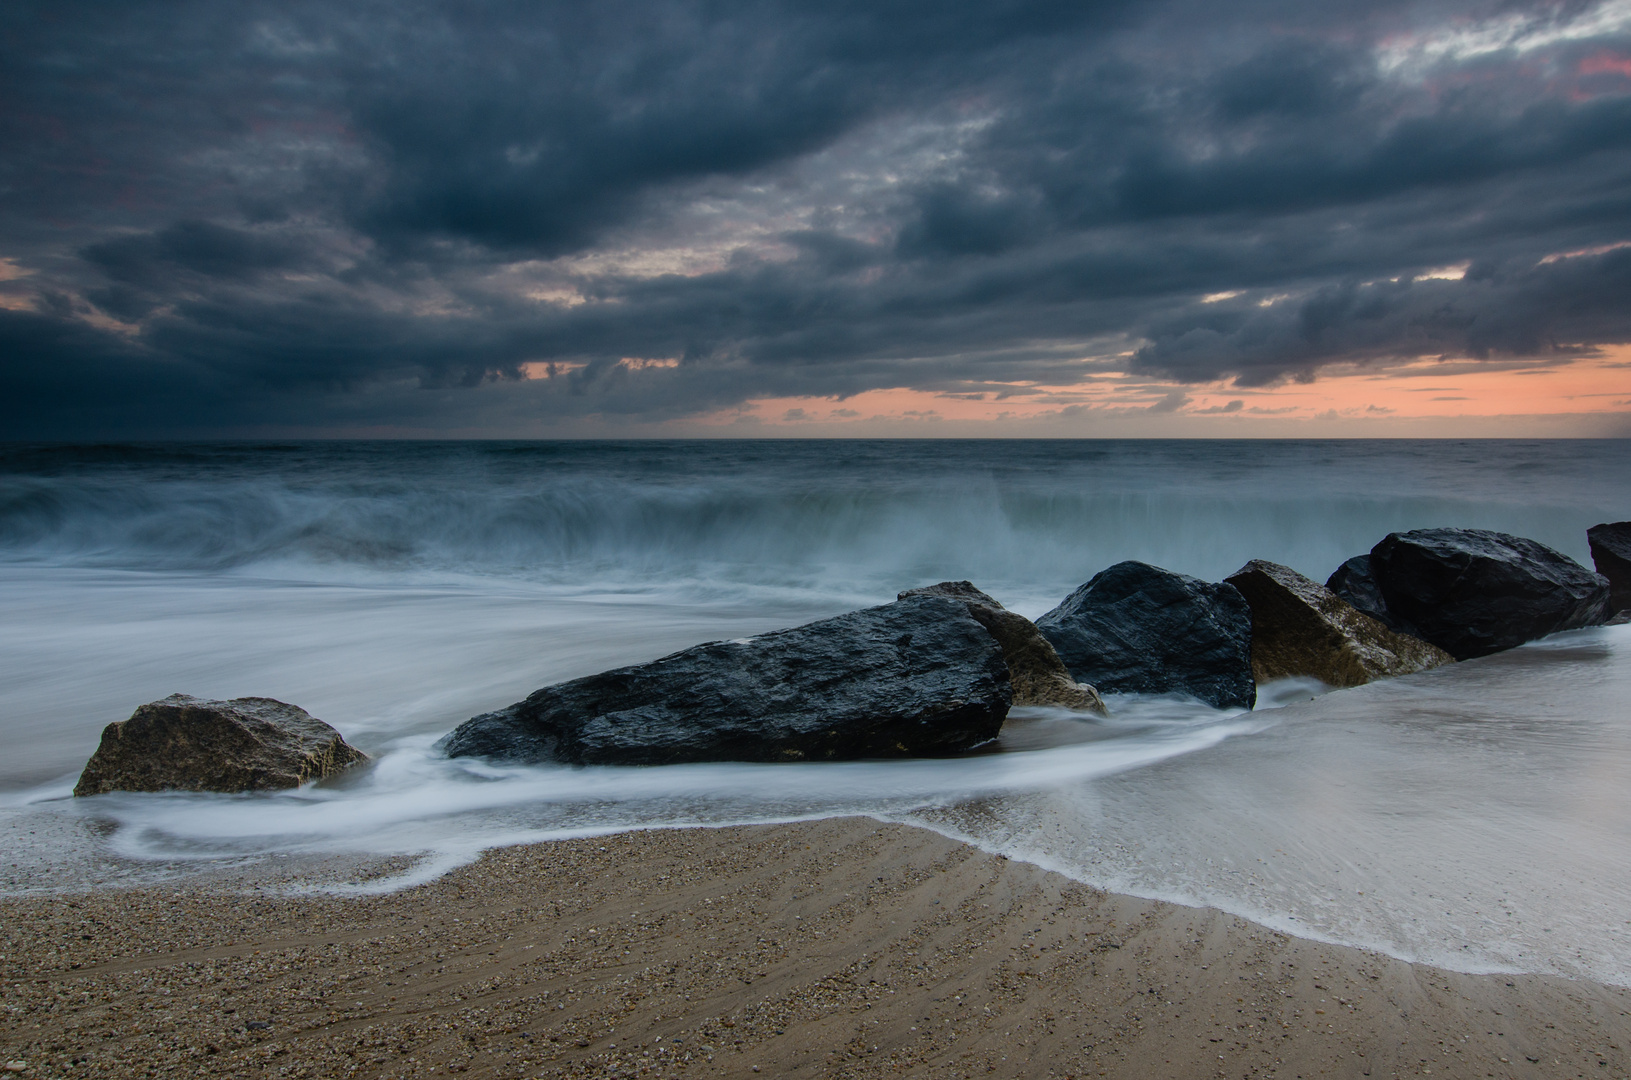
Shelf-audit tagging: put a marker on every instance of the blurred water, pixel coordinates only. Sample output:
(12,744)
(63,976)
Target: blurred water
(1476,816)
(1032,519)
(397,589)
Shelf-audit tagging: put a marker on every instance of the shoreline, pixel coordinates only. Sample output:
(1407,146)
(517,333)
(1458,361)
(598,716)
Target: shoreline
(839,947)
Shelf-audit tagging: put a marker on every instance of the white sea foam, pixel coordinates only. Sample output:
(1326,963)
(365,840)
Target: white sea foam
(413,800)
(1476,816)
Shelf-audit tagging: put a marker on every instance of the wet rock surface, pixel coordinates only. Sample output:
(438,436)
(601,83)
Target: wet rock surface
(1355,584)
(914,678)
(1473,592)
(1136,628)
(1302,628)
(1611,552)
(185,743)
(1037,674)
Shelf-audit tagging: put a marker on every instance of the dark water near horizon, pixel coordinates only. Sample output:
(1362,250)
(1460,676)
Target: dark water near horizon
(1036,514)
(1478,816)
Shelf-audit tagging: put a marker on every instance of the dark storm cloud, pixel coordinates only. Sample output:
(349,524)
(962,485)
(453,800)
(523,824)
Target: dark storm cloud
(237,214)
(154,260)
(538,130)
(1553,309)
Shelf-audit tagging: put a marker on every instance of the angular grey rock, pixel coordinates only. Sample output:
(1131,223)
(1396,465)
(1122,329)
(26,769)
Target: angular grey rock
(1299,627)
(185,743)
(1473,592)
(913,678)
(1136,628)
(1611,552)
(1038,676)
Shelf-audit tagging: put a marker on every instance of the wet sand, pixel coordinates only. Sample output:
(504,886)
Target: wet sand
(840,948)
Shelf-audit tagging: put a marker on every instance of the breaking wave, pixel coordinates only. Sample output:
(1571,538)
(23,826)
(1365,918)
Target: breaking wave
(1031,517)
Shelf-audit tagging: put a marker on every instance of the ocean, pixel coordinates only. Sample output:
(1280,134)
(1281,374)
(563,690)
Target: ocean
(1476,816)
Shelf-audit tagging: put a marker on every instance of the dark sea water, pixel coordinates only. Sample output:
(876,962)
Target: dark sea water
(1477,816)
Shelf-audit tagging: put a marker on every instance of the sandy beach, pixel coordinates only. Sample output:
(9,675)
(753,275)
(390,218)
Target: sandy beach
(838,948)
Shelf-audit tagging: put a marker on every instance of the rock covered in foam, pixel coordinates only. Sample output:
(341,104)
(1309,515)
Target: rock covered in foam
(914,678)
(1611,552)
(1302,628)
(1136,628)
(1038,676)
(1473,592)
(185,743)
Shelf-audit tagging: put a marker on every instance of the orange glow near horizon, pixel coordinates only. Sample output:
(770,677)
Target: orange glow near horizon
(1598,384)
(1417,391)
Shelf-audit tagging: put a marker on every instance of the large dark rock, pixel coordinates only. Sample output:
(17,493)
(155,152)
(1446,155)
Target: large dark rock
(1299,627)
(1136,628)
(1611,551)
(1473,592)
(1354,583)
(916,677)
(189,744)
(1037,674)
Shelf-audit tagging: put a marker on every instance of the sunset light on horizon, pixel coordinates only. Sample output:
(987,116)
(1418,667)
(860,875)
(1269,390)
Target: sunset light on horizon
(1430,397)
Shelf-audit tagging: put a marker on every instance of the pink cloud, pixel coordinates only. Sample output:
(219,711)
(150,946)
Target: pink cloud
(1605,63)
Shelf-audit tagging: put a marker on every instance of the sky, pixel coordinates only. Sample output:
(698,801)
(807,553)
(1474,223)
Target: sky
(634,218)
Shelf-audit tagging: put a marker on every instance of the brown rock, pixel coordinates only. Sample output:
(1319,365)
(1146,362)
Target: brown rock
(188,744)
(1299,627)
(1035,671)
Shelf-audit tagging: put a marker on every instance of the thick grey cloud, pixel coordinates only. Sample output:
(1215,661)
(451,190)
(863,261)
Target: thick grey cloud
(239,215)
(1557,309)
